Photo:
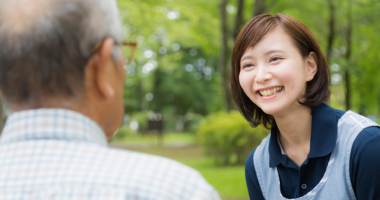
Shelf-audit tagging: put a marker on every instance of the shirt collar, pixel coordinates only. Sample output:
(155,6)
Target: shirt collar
(51,124)
(324,132)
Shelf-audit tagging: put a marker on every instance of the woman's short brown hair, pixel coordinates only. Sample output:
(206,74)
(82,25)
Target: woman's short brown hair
(317,90)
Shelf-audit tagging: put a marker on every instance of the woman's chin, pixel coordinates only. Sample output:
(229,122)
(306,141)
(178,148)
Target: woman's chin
(270,110)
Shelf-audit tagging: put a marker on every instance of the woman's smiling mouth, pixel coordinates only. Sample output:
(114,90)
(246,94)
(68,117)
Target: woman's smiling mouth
(270,92)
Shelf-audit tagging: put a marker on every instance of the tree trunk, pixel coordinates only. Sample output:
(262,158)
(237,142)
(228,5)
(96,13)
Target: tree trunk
(223,59)
(259,8)
(239,21)
(157,104)
(348,55)
(140,95)
(331,36)
(240,158)
(226,160)
(347,86)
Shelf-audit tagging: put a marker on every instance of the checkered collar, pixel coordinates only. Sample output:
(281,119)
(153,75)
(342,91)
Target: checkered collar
(51,124)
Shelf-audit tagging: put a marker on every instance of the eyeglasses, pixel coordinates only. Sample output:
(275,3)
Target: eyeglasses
(128,48)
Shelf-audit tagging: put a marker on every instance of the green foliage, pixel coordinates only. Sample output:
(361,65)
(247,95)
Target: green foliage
(178,90)
(175,89)
(142,119)
(122,133)
(192,122)
(125,131)
(227,135)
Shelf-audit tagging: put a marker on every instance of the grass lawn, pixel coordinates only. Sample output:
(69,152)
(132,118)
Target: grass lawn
(169,139)
(228,181)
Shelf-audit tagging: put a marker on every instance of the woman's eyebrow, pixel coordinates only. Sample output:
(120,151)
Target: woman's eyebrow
(266,53)
(246,57)
(274,51)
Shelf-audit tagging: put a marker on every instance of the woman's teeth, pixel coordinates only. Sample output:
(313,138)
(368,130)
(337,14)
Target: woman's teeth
(270,92)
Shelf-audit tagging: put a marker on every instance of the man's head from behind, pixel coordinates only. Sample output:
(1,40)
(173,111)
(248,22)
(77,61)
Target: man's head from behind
(47,58)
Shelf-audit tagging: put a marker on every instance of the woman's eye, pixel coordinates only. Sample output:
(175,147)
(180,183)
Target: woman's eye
(275,59)
(247,65)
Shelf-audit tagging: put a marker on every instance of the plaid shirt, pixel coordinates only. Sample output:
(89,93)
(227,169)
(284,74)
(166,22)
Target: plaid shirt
(61,154)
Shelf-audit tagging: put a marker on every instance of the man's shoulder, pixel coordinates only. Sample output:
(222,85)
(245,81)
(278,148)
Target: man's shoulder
(153,172)
(138,158)
(85,164)
(125,161)
(94,157)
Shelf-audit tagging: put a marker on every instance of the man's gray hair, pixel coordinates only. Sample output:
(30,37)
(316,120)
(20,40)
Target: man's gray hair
(45,45)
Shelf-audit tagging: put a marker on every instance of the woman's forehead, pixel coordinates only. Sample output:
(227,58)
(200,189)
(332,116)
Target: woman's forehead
(276,40)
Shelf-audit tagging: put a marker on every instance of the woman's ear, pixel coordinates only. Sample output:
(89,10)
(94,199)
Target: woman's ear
(312,66)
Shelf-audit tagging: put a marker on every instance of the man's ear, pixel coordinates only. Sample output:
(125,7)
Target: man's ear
(312,66)
(103,69)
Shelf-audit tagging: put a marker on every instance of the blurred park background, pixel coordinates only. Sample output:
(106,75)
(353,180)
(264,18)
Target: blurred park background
(177,98)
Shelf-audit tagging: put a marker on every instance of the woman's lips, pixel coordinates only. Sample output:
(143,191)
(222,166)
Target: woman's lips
(270,93)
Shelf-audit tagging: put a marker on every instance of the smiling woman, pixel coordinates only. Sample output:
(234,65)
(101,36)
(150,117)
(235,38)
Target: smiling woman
(274,37)
(275,62)
(280,79)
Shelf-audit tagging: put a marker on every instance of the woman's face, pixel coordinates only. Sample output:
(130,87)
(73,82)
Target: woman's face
(273,74)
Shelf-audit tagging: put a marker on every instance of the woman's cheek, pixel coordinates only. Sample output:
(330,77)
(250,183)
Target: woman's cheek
(293,84)
(246,83)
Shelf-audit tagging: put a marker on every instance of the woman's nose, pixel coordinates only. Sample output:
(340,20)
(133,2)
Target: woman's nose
(263,75)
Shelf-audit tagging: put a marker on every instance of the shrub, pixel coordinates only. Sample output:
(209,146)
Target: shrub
(125,131)
(228,135)
(122,133)
(192,122)
(142,119)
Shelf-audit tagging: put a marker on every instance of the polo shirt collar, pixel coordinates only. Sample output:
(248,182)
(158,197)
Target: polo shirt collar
(51,124)
(324,132)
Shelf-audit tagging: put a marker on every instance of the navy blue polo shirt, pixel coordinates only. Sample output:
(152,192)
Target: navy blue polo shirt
(298,181)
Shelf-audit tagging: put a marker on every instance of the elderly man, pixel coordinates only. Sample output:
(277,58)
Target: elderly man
(62,77)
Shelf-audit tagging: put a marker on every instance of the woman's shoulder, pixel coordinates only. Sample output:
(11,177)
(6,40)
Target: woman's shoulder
(253,185)
(367,142)
(364,162)
(352,118)
(249,161)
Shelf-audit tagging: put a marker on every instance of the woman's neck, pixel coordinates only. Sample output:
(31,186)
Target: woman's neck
(295,132)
